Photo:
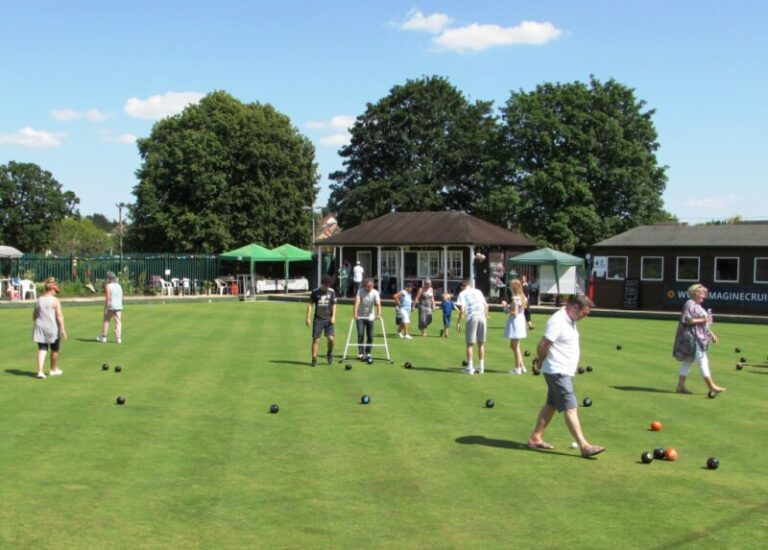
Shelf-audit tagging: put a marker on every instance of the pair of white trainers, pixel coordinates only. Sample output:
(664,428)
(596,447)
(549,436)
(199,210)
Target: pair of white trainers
(520,370)
(470,370)
(406,336)
(103,340)
(55,372)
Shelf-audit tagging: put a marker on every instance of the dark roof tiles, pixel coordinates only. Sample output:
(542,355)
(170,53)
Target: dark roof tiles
(428,228)
(674,235)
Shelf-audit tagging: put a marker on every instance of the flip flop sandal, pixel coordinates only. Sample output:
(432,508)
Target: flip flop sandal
(592,451)
(540,445)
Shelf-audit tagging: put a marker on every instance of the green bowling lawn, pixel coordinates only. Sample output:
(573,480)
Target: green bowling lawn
(195,460)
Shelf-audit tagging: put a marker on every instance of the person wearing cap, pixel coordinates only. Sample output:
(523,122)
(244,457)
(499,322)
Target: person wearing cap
(48,331)
(404,304)
(113,308)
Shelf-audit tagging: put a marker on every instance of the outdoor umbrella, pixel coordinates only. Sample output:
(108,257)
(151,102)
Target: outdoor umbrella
(290,253)
(10,252)
(252,253)
(547,256)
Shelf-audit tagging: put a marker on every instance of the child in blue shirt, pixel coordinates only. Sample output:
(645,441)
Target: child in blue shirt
(447,306)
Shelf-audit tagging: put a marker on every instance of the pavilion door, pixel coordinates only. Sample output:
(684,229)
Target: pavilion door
(364,257)
(390,272)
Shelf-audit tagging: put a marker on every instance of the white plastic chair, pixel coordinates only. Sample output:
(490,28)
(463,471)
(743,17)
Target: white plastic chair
(221,287)
(28,287)
(165,287)
(186,286)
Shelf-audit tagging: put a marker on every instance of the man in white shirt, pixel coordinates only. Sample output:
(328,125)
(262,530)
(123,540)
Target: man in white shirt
(558,355)
(366,310)
(472,306)
(357,276)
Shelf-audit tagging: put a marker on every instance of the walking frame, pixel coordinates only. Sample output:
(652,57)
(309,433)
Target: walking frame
(385,345)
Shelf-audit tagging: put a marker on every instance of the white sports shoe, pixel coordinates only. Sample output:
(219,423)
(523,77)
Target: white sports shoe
(40,375)
(516,371)
(468,370)
(524,370)
(400,334)
(119,341)
(408,337)
(102,339)
(480,370)
(57,372)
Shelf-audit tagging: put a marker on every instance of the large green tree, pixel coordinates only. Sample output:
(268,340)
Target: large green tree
(583,163)
(31,204)
(424,146)
(79,236)
(220,175)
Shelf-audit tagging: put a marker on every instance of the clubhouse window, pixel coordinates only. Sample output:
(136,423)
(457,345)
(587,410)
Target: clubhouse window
(652,268)
(617,267)
(761,270)
(726,270)
(688,268)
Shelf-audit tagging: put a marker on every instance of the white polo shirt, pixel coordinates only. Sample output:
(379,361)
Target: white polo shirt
(473,303)
(563,355)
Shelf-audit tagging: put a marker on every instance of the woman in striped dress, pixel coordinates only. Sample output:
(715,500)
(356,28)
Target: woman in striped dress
(49,328)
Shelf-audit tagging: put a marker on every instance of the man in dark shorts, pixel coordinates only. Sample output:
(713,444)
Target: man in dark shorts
(558,355)
(323,301)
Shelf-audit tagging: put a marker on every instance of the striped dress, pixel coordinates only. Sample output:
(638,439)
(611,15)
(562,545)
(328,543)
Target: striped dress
(46,330)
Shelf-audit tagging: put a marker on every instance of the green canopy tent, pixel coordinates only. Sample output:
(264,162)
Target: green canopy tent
(560,262)
(290,253)
(252,253)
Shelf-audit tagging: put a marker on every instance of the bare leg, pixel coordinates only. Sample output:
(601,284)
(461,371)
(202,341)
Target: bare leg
(105,326)
(574,426)
(470,351)
(681,384)
(54,360)
(41,353)
(712,386)
(545,417)
(315,345)
(481,351)
(515,345)
(331,342)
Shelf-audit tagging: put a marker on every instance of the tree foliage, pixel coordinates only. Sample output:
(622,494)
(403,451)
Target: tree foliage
(31,205)
(567,164)
(584,162)
(422,147)
(220,175)
(102,222)
(79,237)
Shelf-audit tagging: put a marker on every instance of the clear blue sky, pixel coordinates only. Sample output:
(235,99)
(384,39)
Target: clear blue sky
(78,77)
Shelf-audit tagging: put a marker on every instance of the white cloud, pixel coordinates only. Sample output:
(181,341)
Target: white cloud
(91,115)
(337,122)
(477,37)
(711,203)
(29,137)
(335,140)
(159,106)
(433,24)
(342,122)
(108,136)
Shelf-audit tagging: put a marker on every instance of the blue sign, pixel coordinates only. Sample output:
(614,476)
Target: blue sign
(743,297)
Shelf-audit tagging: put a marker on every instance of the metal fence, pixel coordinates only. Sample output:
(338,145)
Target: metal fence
(139,267)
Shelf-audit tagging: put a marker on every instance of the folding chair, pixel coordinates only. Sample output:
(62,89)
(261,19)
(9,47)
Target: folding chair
(352,327)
